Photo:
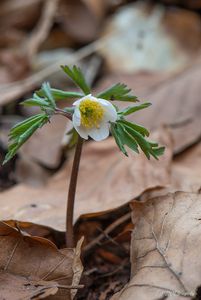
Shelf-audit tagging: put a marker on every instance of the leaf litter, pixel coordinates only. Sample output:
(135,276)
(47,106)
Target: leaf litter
(165,248)
(107,192)
(36,266)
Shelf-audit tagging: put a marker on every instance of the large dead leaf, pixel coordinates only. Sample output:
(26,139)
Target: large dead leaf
(29,259)
(107,180)
(165,253)
(23,288)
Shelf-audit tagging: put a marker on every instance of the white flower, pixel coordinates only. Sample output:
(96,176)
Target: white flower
(92,117)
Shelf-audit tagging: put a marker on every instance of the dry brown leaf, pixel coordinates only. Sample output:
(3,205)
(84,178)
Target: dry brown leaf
(78,20)
(23,288)
(36,258)
(185,174)
(165,253)
(14,65)
(45,146)
(19,14)
(107,180)
(186,170)
(57,237)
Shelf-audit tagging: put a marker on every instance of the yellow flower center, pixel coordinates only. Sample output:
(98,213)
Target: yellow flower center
(91,113)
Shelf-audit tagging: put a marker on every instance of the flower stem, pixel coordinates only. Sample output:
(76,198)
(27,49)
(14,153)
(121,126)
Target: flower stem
(71,194)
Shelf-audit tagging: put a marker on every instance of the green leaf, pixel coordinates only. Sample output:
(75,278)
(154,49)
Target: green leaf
(149,148)
(144,145)
(129,110)
(77,77)
(117,138)
(48,94)
(126,138)
(136,127)
(20,133)
(60,95)
(36,102)
(22,126)
(119,92)
(159,151)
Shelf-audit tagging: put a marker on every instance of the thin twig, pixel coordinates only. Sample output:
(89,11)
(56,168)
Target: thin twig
(71,194)
(16,89)
(42,28)
(59,111)
(71,287)
(110,228)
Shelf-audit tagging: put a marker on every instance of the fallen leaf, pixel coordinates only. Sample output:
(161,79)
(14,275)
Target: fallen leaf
(185,174)
(30,173)
(186,171)
(14,65)
(19,14)
(57,237)
(35,258)
(165,252)
(38,147)
(23,288)
(78,20)
(107,180)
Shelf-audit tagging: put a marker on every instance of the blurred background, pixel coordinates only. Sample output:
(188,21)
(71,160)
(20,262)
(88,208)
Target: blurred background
(153,46)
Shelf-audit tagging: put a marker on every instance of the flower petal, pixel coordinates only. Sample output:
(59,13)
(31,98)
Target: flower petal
(99,134)
(76,117)
(110,111)
(82,131)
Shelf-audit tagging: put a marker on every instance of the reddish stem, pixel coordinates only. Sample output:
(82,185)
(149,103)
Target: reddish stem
(71,194)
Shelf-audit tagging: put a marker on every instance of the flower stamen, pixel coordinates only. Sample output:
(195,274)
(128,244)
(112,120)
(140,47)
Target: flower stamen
(92,113)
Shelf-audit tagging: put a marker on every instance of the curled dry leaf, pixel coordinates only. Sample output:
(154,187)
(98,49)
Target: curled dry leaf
(32,259)
(165,252)
(107,180)
(57,237)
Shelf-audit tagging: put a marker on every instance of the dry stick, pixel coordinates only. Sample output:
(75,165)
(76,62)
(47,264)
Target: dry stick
(11,91)
(42,28)
(110,228)
(70,287)
(71,194)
